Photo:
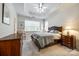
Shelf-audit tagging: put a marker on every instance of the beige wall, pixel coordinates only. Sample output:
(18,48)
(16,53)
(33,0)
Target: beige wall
(8,29)
(67,15)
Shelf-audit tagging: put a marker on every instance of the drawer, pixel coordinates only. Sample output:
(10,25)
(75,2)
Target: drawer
(69,45)
(69,40)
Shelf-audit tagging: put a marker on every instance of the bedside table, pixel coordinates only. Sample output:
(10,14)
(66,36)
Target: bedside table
(69,41)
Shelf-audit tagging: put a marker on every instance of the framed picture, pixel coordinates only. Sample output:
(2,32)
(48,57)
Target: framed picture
(5,14)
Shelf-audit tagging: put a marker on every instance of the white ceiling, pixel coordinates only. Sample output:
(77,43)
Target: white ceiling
(27,9)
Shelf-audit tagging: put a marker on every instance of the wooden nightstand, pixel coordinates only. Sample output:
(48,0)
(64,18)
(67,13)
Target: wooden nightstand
(69,41)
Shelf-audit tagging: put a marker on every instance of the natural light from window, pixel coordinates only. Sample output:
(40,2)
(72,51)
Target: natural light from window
(46,25)
(6,20)
(32,25)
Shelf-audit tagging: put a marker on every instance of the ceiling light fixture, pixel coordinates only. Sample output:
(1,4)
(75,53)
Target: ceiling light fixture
(40,8)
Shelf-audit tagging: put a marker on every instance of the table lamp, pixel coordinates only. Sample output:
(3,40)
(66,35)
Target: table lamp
(68,28)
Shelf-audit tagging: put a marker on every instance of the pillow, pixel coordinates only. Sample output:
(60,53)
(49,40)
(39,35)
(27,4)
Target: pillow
(52,31)
(55,31)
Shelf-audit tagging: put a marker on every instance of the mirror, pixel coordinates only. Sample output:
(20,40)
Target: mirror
(5,14)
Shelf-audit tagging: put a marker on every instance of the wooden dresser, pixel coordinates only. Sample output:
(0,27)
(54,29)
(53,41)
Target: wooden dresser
(10,45)
(69,41)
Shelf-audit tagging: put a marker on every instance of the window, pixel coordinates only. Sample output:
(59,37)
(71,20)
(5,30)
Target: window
(5,14)
(6,20)
(32,25)
(46,25)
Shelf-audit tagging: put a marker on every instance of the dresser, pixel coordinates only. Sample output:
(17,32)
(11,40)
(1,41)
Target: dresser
(69,41)
(10,45)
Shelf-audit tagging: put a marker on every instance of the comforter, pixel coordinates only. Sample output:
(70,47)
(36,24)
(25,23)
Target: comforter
(45,38)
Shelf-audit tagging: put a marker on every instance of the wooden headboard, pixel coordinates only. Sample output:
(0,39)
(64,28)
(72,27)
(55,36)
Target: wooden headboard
(55,28)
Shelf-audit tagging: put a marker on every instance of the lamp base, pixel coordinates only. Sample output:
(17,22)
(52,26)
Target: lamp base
(68,33)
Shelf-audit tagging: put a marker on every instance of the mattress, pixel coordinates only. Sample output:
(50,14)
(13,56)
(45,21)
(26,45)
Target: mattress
(44,34)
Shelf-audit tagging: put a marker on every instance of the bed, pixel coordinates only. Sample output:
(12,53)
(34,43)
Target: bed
(45,39)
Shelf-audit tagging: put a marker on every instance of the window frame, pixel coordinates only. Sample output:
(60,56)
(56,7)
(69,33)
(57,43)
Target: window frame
(3,13)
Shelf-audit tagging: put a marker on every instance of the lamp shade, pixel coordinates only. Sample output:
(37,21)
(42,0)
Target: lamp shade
(71,28)
(68,28)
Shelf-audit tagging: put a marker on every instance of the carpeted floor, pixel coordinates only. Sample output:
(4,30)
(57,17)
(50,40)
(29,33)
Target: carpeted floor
(29,49)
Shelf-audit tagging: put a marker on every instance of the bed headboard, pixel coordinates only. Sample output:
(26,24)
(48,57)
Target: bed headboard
(58,28)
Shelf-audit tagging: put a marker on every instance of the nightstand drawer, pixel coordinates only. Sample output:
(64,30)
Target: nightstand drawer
(69,45)
(69,42)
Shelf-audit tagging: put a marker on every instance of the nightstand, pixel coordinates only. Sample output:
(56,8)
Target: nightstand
(69,41)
